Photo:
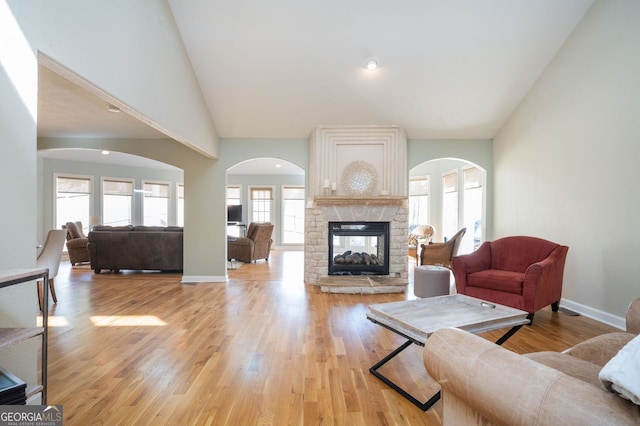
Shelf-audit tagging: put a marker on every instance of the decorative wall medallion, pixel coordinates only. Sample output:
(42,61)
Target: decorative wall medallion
(359,178)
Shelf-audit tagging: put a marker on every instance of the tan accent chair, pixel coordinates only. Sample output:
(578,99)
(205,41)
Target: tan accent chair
(49,258)
(440,254)
(486,384)
(419,235)
(77,243)
(256,245)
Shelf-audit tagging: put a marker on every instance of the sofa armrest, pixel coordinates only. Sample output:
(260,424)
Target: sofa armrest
(241,241)
(77,243)
(633,317)
(485,380)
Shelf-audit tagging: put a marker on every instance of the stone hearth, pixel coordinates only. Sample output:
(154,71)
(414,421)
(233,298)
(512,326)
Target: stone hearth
(372,284)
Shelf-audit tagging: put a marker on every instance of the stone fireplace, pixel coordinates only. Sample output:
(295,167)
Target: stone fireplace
(357,174)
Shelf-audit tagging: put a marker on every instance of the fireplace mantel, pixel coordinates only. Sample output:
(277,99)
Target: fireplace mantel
(383,200)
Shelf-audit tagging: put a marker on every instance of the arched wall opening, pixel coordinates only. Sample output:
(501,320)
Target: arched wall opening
(269,189)
(450,194)
(98,169)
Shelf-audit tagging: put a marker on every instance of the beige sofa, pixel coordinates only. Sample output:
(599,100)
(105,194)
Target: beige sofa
(486,384)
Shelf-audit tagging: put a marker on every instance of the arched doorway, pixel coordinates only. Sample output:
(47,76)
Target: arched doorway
(449,194)
(108,188)
(269,190)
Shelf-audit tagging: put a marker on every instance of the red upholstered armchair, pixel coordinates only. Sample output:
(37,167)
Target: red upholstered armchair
(521,272)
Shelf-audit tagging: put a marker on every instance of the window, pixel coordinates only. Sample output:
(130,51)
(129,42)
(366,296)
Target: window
(472,209)
(293,214)
(156,203)
(117,201)
(180,204)
(418,201)
(73,200)
(261,204)
(449,204)
(234,199)
(233,195)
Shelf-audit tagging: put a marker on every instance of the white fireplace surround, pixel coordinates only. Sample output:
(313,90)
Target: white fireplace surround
(332,148)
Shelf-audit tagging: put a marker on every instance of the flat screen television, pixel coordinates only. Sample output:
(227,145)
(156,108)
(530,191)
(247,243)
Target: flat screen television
(234,213)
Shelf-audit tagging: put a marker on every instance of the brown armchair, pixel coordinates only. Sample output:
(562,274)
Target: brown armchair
(256,245)
(76,243)
(521,272)
(441,253)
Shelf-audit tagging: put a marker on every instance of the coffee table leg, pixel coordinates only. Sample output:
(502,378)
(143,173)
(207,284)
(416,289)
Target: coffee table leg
(424,406)
(508,334)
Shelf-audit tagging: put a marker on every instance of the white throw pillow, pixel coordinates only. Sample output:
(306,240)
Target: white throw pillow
(622,373)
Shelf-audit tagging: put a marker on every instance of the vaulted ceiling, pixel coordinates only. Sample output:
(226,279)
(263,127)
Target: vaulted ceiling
(452,69)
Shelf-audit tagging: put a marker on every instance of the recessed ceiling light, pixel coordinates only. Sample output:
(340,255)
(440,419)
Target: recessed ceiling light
(105,152)
(113,108)
(372,64)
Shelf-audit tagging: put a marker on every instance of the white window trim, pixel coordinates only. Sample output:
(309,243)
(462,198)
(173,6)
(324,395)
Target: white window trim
(250,188)
(235,186)
(54,213)
(133,195)
(170,219)
(429,195)
(177,185)
(282,199)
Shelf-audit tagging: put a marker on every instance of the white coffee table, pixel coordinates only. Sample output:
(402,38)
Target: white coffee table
(417,319)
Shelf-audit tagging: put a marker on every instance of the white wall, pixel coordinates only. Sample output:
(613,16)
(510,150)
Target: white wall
(18,109)
(131,51)
(566,162)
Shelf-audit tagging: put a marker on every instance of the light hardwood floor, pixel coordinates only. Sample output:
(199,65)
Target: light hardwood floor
(261,349)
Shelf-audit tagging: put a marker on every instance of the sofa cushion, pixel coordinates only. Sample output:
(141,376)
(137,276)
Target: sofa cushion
(569,365)
(124,228)
(499,280)
(600,349)
(528,250)
(142,228)
(174,229)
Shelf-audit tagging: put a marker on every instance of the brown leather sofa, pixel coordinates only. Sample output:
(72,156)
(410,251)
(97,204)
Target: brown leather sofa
(136,247)
(255,245)
(486,384)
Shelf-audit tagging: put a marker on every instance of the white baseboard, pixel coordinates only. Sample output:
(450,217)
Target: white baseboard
(194,279)
(587,311)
